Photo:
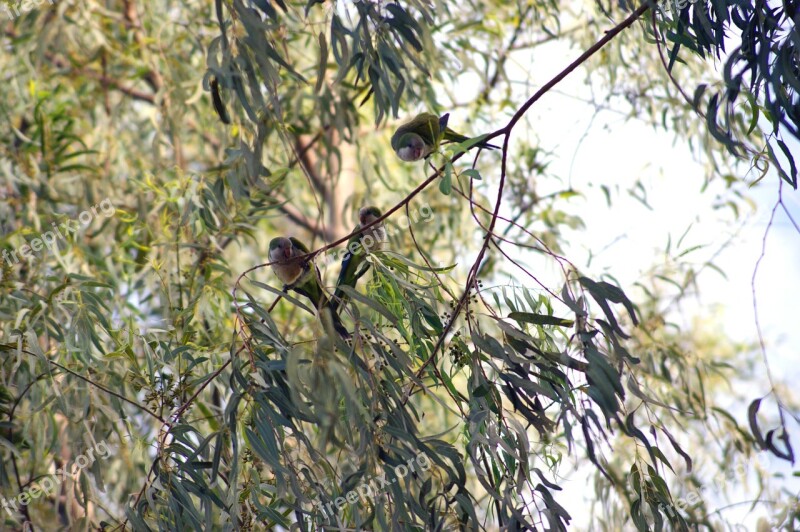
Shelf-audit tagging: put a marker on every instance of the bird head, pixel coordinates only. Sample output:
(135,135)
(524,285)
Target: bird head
(280,249)
(367,215)
(412,148)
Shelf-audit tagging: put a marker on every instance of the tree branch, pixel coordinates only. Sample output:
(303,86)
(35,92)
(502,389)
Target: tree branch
(152,77)
(304,221)
(506,132)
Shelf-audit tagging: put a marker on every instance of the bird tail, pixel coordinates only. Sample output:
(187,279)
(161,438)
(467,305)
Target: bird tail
(452,136)
(328,312)
(443,122)
(339,296)
(486,146)
(337,299)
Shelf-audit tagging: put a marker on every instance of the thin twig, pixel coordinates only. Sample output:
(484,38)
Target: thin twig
(506,132)
(99,386)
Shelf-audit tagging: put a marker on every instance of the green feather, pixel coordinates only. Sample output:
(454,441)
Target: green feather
(431,130)
(426,125)
(354,264)
(352,269)
(309,285)
(299,245)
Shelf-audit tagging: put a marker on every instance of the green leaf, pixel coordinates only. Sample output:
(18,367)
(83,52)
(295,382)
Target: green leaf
(540,319)
(752,417)
(446,182)
(472,174)
(371,303)
(323,62)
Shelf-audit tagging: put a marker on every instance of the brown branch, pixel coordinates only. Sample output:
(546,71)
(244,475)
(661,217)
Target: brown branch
(301,157)
(762,345)
(506,132)
(610,34)
(116,84)
(152,77)
(304,221)
(308,161)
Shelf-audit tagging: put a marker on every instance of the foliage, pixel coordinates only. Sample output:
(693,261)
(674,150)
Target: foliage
(764,70)
(192,134)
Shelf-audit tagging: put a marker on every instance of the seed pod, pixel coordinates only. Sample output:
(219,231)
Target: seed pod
(219,105)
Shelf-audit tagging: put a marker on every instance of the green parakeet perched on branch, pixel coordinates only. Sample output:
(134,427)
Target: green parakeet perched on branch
(302,276)
(422,135)
(354,263)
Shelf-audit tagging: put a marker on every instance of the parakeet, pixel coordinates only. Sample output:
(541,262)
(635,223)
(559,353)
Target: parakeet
(302,276)
(354,263)
(421,136)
